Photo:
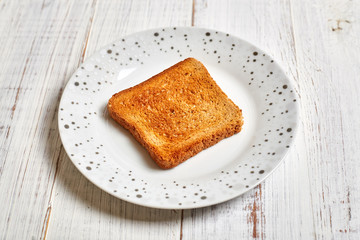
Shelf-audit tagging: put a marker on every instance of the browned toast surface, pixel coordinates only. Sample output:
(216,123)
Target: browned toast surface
(177,113)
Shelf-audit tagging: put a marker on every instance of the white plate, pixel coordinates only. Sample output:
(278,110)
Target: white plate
(113,160)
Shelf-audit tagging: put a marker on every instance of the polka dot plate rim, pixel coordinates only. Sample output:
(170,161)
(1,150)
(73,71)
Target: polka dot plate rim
(113,160)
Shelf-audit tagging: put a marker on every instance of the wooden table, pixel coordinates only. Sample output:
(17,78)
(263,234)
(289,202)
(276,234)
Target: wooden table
(314,194)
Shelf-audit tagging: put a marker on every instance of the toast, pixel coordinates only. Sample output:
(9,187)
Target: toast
(177,113)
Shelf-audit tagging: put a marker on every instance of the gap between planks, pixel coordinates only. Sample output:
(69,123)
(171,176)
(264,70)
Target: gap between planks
(48,211)
(89,27)
(193,13)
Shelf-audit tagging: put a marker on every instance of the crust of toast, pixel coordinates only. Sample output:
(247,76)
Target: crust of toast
(177,113)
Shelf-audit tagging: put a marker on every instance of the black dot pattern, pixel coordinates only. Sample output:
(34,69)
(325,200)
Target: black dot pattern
(83,107)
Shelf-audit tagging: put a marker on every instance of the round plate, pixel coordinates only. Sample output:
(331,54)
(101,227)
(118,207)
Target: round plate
(112,159)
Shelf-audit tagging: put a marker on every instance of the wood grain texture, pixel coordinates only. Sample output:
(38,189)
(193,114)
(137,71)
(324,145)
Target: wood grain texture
(37,57)
(328,70)
(315,192)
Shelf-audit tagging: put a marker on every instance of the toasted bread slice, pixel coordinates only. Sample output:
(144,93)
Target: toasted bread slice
(177,113)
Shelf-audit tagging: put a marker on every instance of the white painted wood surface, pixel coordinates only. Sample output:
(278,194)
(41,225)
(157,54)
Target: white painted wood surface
(314,194)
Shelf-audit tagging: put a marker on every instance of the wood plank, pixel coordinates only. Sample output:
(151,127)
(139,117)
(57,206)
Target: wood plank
(282,200)
(38,55)
(113,20)
(78,208)
(328,68)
